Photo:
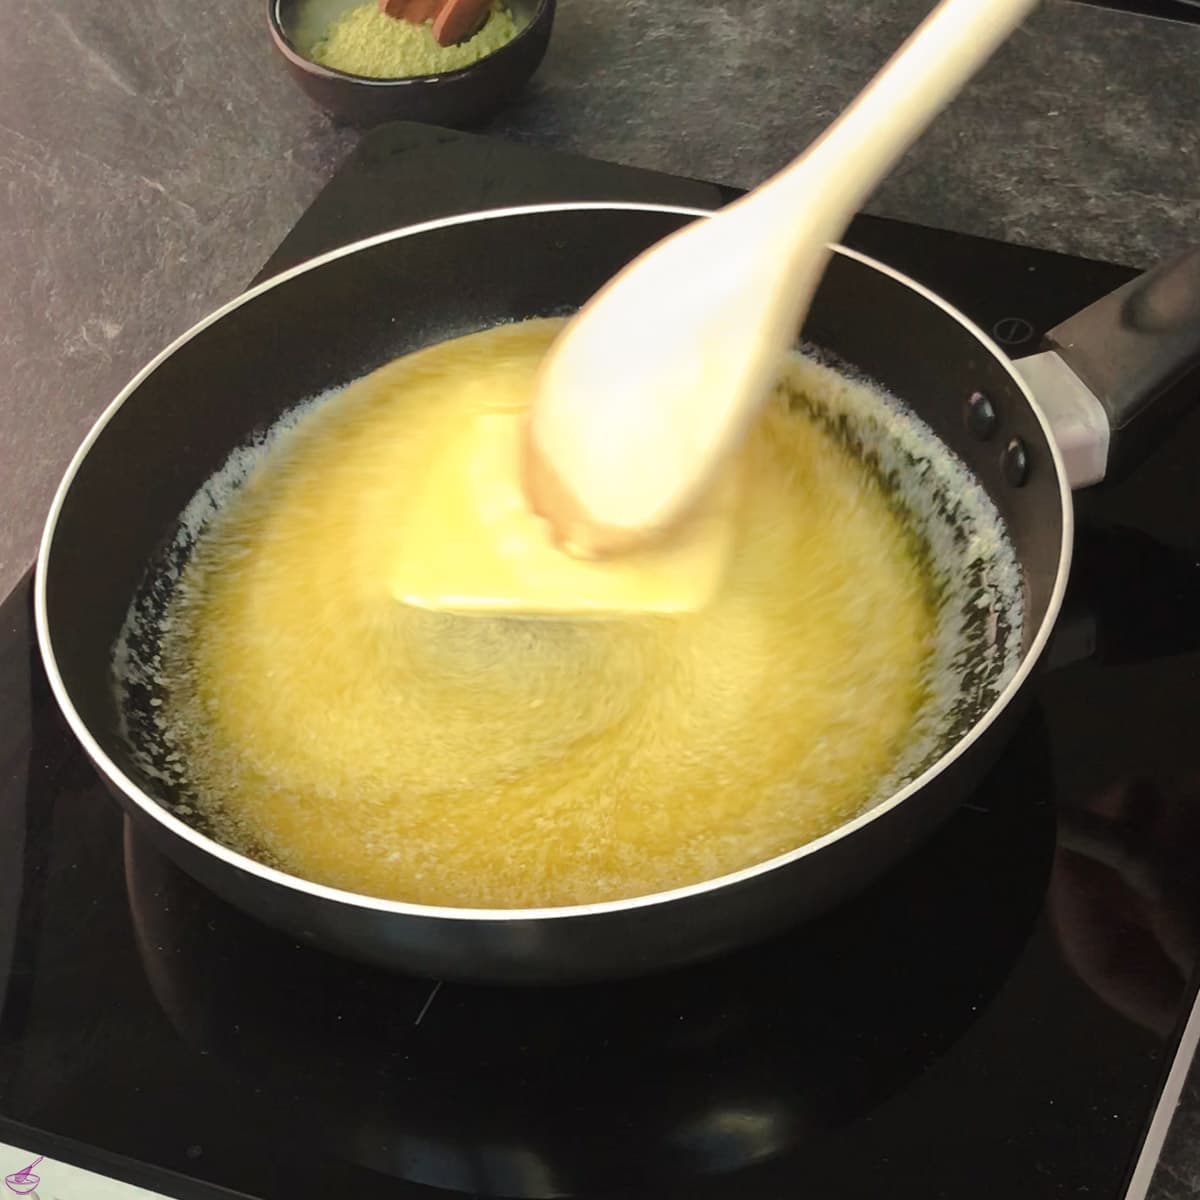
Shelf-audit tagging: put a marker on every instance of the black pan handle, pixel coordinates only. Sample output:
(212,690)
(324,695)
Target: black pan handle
(1135,350)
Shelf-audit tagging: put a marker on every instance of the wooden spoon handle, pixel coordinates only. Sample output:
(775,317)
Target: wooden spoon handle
(836,174)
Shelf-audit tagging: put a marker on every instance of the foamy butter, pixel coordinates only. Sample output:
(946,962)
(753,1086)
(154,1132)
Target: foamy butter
(483,761)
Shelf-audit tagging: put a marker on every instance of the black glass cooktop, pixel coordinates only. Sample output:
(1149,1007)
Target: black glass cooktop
(997,1018)
(1175,10)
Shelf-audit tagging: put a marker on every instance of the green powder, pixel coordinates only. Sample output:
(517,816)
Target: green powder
(366,41)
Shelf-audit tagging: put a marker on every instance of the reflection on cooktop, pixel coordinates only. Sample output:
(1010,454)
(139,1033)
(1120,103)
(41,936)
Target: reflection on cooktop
(1175,10)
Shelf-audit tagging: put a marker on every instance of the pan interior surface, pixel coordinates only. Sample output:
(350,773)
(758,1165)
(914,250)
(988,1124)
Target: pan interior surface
(187,431)
(599,844)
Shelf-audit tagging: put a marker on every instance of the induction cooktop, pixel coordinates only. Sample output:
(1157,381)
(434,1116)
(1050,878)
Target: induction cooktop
(1008,1013)
(1174,10)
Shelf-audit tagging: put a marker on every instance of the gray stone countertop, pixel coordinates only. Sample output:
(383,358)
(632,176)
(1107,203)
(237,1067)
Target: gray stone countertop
(152,157)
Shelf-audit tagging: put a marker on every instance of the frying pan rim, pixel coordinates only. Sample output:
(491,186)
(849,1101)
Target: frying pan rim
(162,815)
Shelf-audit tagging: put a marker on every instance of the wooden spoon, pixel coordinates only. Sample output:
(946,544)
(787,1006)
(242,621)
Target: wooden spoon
(652,384)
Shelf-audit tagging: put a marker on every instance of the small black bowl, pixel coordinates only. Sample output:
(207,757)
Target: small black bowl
(454,98)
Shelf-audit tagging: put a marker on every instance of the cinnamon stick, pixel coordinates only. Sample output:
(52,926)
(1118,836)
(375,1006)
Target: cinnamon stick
(459,20)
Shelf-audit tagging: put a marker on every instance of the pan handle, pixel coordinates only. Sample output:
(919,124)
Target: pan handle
(1116,376)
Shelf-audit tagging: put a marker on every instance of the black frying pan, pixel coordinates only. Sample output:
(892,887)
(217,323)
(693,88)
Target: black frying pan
(115,519)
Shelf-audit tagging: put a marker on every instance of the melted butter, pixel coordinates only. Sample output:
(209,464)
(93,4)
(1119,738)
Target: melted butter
(489,761)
